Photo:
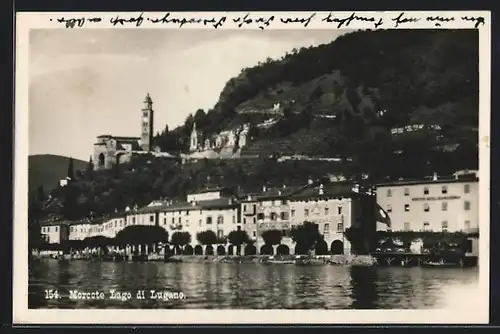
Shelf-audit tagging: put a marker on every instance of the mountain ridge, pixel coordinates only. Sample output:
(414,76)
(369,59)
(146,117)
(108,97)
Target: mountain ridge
(47,169)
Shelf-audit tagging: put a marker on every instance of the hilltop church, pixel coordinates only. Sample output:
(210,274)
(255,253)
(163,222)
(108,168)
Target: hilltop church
(111,150)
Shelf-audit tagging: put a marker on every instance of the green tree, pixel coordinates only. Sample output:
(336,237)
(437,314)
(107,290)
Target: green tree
(206,238)
(180,239)
(141,235)
(305,236)
(71,171)
(35,214)
(237,238)
(272,237)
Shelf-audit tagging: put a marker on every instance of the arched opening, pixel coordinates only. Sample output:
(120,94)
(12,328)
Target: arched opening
(221,250)
(300,250)
(230,250)
(188,250)
(321,248)
(178,250)
(101,160)
(209,250)
(283,250)
(250,250)
(198,250)
(119,159)
(266,250)
(168,251)
(337,247)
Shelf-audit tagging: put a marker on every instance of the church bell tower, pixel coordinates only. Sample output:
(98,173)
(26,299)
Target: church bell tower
(147,125)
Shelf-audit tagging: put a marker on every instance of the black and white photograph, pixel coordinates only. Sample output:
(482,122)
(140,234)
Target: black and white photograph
(255,167)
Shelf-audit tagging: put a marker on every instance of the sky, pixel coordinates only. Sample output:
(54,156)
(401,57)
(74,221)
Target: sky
(88,82)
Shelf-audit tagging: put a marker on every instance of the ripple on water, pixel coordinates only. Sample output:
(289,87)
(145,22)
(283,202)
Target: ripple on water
(246,286)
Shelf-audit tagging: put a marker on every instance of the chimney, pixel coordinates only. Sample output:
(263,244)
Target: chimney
(284,186)
(310,181)
(193,203)
(230,201)
(264,188)
(434,176)
(321,190)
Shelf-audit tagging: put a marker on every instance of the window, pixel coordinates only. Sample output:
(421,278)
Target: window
(209,220)
(407,226)
(466,205)
(220,234)
(407,191)
(444,206)
(254,233)
(306,212)
(284,202)
(426,226)
(234,219)
(244,207)
(466,188)
(145,114)
(187,213)
(426,191)
(444,225)
(55,229)
(164,221)
(187,223)
(274,216)
(426,207)
(283,215)
(389,208)
(389,192)
(444,190)
(151,218)
(292,213)
(71,229)
(133,220)
(244,220)
(340,227)
(339,210)
(116,223)
(200,222)
(254,208)
(173,221)
(326,228)
(467,225)
(260,216)
(180,220)
(407,207)
(326,211)
(254,220)
(220,220)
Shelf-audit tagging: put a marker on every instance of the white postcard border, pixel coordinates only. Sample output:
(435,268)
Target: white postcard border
(468,311)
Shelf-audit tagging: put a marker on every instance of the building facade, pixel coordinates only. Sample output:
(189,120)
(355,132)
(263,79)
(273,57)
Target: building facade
(437,204)
(333,208)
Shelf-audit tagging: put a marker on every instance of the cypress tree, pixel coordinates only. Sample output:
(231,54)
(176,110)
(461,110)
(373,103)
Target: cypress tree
(71,169)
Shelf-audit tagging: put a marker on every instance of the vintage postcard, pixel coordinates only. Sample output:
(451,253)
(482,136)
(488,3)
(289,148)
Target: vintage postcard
(215,167)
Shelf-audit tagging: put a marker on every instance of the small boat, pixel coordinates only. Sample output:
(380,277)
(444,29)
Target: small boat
(439,264)
(281,261)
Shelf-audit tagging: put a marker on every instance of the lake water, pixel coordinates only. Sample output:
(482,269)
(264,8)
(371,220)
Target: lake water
(244,286)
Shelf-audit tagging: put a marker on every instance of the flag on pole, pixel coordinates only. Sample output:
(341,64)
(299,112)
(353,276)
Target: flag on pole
(382,216)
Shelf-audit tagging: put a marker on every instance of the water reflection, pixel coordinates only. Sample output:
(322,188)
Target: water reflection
(244,286)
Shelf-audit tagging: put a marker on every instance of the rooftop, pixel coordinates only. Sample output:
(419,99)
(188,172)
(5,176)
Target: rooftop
(431,179)
(220,203)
